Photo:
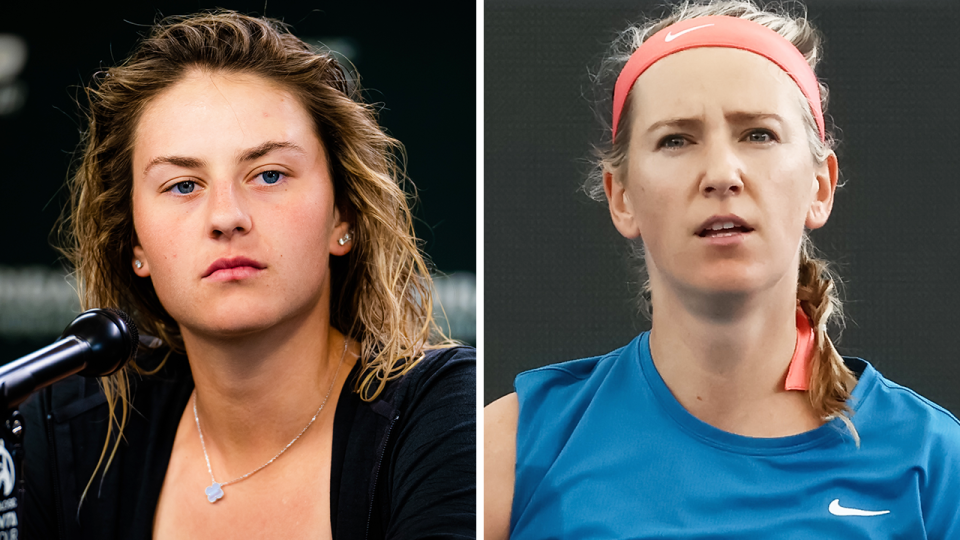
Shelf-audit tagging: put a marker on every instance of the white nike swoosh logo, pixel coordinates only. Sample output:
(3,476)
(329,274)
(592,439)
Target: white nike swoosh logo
(838,510)
(670,36)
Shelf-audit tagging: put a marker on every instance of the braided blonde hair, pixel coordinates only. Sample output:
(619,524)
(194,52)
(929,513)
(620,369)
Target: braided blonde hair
(831,381)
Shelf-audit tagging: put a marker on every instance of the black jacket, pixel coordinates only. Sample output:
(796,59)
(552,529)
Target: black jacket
(403,466)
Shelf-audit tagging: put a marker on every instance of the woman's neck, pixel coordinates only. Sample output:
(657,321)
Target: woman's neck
(256,392)
(725,360)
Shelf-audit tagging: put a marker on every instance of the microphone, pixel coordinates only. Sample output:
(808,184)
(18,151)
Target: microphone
(97,343)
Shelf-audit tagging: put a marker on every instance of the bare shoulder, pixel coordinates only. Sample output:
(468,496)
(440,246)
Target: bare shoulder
(499,460)
(500,428)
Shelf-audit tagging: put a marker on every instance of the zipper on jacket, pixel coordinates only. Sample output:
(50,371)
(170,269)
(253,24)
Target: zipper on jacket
(376,475)
(57,496)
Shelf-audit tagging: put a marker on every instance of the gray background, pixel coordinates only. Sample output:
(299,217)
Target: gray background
(417,62)
(558,284)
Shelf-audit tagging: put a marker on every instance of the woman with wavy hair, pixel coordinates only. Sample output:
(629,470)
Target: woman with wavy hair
(735,416)
(239,200)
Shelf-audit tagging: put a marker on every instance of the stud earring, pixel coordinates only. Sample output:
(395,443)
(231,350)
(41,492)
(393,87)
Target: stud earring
(345,238)
(138,264)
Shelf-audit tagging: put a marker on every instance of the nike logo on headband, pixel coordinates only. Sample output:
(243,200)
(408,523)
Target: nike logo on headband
(671,36)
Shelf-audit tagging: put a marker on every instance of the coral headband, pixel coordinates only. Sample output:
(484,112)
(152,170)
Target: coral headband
(720,31)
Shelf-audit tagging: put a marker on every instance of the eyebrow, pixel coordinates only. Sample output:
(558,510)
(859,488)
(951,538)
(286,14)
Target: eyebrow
(736,117)
(266,148)
(246,155)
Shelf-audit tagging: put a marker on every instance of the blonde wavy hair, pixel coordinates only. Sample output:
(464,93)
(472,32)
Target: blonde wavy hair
(381,292)
(831,381)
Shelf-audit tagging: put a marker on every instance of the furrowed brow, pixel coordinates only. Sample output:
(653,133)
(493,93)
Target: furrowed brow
(741,117)
(737,117)
(675,122)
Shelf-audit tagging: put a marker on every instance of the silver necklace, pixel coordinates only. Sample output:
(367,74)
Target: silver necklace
(215,491)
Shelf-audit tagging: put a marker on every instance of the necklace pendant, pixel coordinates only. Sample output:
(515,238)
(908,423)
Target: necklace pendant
(214,492)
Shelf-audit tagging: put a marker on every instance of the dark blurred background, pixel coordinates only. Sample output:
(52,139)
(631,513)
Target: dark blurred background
(558,283)
(418,63)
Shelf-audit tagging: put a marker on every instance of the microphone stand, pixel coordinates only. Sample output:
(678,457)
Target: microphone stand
(12,486)
(98,342)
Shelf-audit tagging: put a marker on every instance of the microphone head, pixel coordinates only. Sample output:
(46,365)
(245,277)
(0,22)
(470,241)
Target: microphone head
(112,337)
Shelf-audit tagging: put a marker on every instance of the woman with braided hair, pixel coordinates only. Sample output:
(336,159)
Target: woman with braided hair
(734,417)
(238,197)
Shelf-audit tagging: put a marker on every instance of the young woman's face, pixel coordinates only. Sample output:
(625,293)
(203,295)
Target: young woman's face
(718,140)
(233,205)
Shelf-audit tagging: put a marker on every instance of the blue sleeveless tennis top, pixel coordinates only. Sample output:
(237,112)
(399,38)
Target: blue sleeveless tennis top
(604,450)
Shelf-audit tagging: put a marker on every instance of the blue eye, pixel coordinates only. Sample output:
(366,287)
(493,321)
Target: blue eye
(271,177)
(184,188)
(761,136)
(672,141)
